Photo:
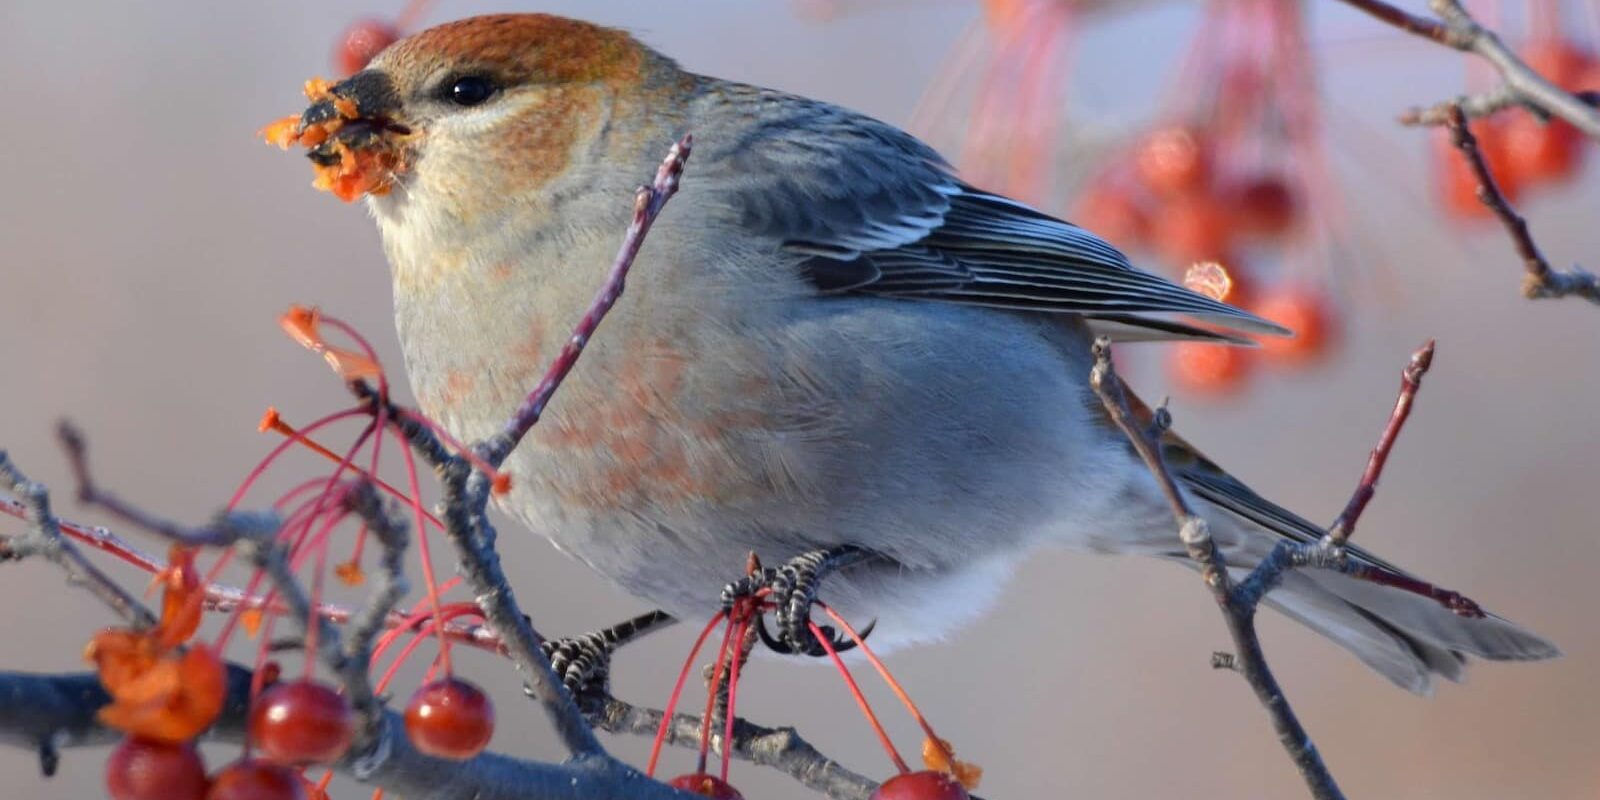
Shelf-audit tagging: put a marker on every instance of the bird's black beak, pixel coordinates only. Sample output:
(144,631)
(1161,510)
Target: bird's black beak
(359,110)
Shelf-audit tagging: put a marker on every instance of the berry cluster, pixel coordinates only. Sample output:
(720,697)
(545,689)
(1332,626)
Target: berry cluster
(167,689)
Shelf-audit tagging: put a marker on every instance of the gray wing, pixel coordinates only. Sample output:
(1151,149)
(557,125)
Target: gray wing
(868,209)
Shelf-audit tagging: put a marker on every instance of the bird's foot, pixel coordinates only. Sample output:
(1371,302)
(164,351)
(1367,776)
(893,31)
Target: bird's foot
(789,592)
(583,662)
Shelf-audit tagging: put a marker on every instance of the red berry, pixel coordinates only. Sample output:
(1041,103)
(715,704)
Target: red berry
(256,780)
(1265,206)
(1536,151)
(706,785)
(362,42)
(1207,368)
(145,769)
(1303,311)
(926,785)
(450,718)
(1193,228)
(301,722)
(1173,160)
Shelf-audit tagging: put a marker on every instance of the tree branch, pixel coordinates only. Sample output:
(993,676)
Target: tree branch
(1541,280)
(44,539)
(1456,28)
(1249,659)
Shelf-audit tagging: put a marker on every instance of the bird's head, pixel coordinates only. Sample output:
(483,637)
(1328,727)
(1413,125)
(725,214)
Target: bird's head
(472,114)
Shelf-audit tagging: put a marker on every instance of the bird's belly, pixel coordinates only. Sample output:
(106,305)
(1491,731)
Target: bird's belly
(663,469)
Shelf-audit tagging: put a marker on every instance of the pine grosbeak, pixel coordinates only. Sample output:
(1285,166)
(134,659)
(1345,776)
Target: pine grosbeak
(829,341)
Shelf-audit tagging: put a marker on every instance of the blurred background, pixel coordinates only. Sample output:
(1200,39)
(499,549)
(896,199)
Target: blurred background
(150,241)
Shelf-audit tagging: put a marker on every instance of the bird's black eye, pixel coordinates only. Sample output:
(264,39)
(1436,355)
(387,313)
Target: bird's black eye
(469,90)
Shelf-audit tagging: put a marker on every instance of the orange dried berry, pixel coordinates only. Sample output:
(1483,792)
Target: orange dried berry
(283,133)
(350,573)
(170,698)
(318,89)
(941,755)
(182,598)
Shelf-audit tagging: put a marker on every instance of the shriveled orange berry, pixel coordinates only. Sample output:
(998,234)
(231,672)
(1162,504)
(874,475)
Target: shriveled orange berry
(301,722)
(169,697)
(940,756)
(145,769)
(450,718)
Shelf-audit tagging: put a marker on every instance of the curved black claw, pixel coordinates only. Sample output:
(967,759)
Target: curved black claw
(792,590)
(840,644)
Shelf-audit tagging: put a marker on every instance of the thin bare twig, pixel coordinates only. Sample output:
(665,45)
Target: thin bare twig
(44,538)
(647,205)
(388,590)
(1541,281)
(1250,660)
(1456,28)
(1410,382)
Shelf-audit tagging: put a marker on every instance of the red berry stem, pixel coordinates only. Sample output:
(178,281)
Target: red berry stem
(861,699)
(677,692)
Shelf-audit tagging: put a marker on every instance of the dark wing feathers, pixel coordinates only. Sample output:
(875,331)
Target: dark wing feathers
(868,209)
(994,252)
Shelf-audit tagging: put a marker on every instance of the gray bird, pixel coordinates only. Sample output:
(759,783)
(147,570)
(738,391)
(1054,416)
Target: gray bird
(831,345)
